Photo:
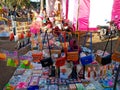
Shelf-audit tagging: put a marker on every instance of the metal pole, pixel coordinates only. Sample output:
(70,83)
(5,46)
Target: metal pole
(41,4)
(116,78)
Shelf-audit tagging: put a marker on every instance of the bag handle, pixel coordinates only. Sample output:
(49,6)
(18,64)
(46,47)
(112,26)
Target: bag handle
(46,34)
(64,40)
(107,45)
(90,41)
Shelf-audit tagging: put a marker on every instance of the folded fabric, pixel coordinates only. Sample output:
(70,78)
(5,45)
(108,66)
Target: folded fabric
(72,87)
(90,87)
(63,75)
(21,86)
(80,86)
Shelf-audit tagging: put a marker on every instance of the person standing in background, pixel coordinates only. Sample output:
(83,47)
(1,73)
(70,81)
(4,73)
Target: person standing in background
(15,13)
(13,19)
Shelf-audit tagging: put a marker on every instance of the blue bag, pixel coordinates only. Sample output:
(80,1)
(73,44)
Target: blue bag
(33,88)
(87,59)
(90,57)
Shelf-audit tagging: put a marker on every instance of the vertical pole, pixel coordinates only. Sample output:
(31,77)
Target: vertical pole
(116,78)
(78,14)
(67,8)
(41,4)
(78,33)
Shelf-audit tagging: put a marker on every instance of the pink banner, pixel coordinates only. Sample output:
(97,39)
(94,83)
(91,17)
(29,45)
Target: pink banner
(63,14)
(116,9)
(50,7)
(84,11)
(67,1)
(65,8)
(75,15)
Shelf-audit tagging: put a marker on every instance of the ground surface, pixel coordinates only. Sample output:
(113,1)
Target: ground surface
(6,72)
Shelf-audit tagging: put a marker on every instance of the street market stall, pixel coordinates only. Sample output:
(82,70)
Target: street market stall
(57,60)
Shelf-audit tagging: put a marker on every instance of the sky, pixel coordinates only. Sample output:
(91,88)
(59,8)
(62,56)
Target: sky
(35,0)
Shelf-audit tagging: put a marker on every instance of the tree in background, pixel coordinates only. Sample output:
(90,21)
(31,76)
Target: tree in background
(18,3)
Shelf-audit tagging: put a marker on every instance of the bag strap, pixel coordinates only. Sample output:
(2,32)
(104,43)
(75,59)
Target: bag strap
(46,35)
(64,40)
(90,41)
(107,45)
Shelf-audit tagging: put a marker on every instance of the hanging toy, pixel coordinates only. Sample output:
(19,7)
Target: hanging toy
(28,34)
(35,27)
(22,35)
(89,72)
(11,37)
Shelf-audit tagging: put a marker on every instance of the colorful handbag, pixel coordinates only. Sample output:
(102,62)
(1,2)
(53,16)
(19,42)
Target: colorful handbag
(11,62)
(56,52)
(90,57)
(60,61)
(72,56)
(47,61)
(105,58)
(2,56)
(87,59)
(116,54)
(37,57)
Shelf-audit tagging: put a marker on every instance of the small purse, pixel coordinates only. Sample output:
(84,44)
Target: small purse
(47,61)
(72,56)
(58,52)
(37,57)
(87,59)
(90,57)
(60,61)
(2,56)
(105,58)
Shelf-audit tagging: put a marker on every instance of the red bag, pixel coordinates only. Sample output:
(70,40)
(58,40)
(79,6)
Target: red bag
(60,61)
(37,57)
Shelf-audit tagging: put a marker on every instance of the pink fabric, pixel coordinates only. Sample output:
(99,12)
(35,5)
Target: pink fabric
(116,12)
(35,27)
(84,11)
(75,15)
(49,7)
(63,8)
(116,9)
(67,1)
(22,85)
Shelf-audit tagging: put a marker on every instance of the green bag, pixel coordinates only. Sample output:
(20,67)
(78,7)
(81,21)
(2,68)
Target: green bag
(22,64)
(10,62)
(9,87)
